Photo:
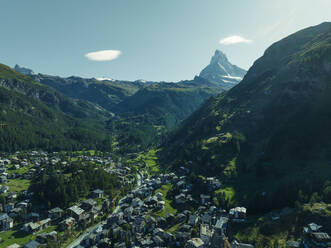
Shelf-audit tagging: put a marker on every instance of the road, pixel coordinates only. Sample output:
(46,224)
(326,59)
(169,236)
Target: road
(92,229)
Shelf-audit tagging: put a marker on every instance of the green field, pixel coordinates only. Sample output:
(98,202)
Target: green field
(18,185)
(147,160)
(168,209)
(20,171)
(19,237)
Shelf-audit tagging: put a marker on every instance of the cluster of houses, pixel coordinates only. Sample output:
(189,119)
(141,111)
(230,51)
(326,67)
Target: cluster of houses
(19,213)
(314,237)
(135,222)
(76,217)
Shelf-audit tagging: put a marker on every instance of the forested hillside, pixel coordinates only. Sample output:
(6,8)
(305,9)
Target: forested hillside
(271,132)
(34,116)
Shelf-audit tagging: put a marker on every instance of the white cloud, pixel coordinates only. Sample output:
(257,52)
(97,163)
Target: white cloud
(104,79)
(103,55)
(235,39)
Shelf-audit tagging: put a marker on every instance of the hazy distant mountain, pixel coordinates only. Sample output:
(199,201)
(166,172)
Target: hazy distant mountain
(169,103)
(221,71)
(24,70)
(105,93)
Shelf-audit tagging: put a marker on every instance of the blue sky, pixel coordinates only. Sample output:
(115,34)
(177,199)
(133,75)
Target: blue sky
(160,40)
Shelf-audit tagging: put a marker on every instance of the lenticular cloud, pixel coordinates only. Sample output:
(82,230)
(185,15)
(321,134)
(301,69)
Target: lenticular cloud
(103,55)
(235,39)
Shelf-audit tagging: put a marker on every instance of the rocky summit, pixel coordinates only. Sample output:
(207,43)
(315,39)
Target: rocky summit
(221,71)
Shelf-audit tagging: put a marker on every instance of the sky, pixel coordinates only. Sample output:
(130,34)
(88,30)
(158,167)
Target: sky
(155,40)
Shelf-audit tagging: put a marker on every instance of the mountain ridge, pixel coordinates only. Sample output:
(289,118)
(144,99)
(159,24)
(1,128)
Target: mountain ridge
(274,123)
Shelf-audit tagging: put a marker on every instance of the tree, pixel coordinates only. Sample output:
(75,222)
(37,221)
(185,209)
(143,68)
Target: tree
(2,200)
(315,198)
(327,194)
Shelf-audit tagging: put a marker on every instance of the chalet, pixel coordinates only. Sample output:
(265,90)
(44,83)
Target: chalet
(206,218)
(158,240)
(88,204)
(139,224)
(195,243)
(90,240)
(161,221)
(96,211)
(136,202)
(181,184)
(160,205)
(180,199)
(8,207)
(15,212)
(6,222)
(193,220)
(98,193)
(23,205)
(43,238)
(105,242)
(128,212)
(75,212)
(221,225)
(147,243)
(159,196)
(3,179)
(55,213)
(106,204)
(150,222)
(67,224)
(151,200)
(4,189)
(85,220)
(236,244)
(181,238)
(212,209)
(168,237)
(206,233)
(31,227)
(213,183)
(205,198)
(185,228)
(320,239)
(312,227)
(238,213)
(37,226)
(32,244)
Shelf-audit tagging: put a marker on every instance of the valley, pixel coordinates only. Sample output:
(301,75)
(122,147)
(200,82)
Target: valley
(227,159)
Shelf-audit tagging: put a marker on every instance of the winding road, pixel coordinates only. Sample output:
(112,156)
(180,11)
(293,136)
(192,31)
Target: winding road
(92,229)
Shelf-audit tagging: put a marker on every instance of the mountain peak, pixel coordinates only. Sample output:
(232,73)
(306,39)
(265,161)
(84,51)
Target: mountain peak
(221,71)
(219,57)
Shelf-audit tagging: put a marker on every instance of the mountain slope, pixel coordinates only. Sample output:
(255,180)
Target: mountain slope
(272,129)
(139,112)
(168,103)
(221,71)
(105,93)
(135,98)
(35,116)
(15,81)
